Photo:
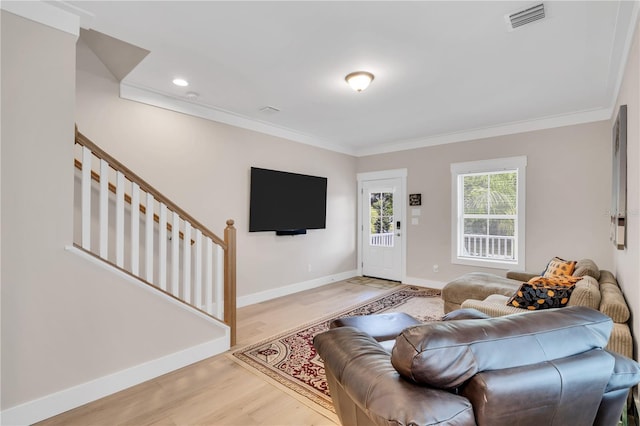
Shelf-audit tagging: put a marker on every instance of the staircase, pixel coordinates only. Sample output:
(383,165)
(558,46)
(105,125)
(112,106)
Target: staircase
(129,225)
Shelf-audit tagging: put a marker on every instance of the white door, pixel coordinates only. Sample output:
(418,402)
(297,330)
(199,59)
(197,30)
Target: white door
(382,230)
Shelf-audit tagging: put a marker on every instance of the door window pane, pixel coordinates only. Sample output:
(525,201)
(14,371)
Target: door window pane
(381,214)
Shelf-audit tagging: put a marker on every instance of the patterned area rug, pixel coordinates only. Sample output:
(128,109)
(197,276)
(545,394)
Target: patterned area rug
(289,360)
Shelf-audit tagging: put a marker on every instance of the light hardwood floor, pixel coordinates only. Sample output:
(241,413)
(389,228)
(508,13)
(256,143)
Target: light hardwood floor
(217,391)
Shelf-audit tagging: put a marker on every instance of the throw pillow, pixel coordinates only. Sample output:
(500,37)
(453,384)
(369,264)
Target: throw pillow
(557,266)
(538,296)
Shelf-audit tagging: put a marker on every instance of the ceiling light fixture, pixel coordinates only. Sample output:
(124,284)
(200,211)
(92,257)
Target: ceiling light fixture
(359,80)
(180,82)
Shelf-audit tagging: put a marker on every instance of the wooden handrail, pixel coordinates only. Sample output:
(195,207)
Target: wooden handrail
(230,279)
(98,152)
(127,198)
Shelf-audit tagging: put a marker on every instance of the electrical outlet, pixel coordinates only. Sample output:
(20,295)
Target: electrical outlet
(309,268)
(436,268)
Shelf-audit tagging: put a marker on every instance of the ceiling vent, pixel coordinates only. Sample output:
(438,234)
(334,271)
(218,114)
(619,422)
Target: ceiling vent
(526,16)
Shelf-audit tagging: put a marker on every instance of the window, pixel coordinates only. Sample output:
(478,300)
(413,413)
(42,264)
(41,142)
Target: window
(488,212)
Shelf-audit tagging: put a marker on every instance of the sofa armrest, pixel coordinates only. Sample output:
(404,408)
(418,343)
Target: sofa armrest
(462,314)
(521,275)
(494,306)
(361,377)
(625,375)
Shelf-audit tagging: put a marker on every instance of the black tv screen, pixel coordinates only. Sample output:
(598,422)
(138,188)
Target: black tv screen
(283,201)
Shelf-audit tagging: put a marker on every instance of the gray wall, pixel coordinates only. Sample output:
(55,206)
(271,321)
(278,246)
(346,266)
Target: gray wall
(204,167)
(567,196)
(627,262)
(65,321)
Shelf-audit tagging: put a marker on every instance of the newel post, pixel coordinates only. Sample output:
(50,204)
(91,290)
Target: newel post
(230,279)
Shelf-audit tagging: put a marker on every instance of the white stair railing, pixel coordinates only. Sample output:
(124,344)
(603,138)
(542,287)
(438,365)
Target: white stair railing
(198,268)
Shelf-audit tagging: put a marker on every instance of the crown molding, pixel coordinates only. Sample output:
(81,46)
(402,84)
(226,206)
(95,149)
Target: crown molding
(162,100)
(634,17)
(169,102)
(46,14)
(488,132)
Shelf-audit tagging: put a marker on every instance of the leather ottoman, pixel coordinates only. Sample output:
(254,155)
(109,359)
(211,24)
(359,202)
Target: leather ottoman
(384,328)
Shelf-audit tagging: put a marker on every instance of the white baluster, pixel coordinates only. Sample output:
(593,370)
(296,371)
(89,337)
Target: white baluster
(186,263)
(86,198)
(197,246)
(208,276)
(120,219)
(162,242)
(175,255)
(148,234)
(135,229)
(104,209)
(219,282)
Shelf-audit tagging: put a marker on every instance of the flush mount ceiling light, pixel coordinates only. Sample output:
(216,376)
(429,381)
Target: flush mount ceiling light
(180,82)
(359,80)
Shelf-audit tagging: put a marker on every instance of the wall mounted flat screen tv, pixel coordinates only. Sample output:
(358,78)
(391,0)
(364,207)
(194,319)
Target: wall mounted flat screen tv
(288,203)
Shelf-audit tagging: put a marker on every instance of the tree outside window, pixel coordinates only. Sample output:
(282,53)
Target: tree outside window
(381,213)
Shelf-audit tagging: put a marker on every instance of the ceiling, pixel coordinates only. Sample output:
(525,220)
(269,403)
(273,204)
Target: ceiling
(444,71)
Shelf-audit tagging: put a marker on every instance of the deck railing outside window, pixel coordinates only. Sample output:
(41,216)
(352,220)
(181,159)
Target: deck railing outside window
(489,246)
(382,240)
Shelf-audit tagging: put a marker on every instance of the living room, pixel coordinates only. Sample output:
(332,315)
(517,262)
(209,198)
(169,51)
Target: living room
(203,165)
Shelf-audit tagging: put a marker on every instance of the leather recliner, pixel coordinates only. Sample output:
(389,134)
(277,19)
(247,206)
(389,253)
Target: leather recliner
(536,368)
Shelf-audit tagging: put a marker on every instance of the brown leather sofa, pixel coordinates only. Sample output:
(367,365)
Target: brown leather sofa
(539,368)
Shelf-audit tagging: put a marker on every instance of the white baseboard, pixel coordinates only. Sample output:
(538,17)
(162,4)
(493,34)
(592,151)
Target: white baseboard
(262,296)
(420,282)
(59,402)
(64,400)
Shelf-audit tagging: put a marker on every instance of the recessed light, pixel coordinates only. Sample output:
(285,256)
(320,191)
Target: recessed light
(180,82)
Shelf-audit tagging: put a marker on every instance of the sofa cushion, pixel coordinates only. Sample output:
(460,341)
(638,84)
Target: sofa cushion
(521,276)
(612,303)
(607,277)
(557,266)
(586,267)
(534,296)
(446,354)
(586,293)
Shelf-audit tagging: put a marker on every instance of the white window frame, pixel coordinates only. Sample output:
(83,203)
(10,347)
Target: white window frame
(518,164)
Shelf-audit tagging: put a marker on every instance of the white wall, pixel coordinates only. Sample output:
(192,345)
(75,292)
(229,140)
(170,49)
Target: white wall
(65,321)
(627,262)
(567,196)
(204,167)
